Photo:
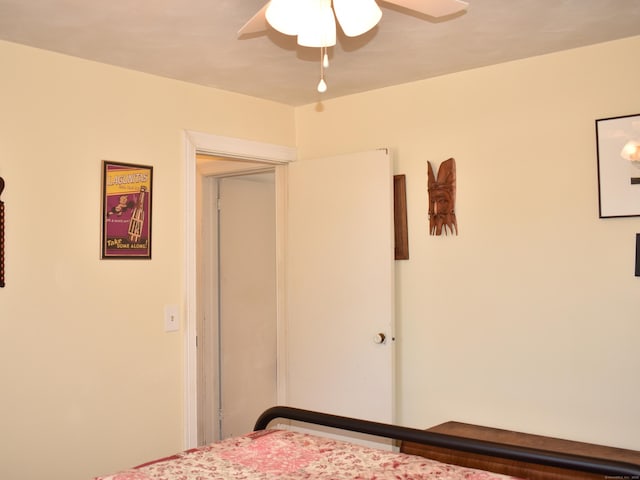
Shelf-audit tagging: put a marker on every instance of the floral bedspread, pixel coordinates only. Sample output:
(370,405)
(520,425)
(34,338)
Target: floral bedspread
(288,455)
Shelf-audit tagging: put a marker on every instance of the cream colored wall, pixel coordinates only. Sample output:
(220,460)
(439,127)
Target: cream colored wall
(528,319)
(90,381)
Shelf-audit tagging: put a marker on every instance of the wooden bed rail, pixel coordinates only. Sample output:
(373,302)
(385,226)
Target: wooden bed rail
(607,468)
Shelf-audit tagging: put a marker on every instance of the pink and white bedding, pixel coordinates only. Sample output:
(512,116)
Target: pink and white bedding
(287,455)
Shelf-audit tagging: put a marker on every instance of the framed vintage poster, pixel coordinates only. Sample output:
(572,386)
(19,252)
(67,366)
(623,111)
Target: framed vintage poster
(618,145)
(127,192)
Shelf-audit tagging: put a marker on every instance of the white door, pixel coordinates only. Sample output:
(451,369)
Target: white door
(340,285)
(247,300)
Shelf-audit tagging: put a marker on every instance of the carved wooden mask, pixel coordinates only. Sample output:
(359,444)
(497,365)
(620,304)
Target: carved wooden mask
(442,198)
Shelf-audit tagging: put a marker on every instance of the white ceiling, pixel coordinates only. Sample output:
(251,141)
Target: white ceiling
(196,41)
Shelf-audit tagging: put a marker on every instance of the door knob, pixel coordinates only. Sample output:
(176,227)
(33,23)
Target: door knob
(379,338)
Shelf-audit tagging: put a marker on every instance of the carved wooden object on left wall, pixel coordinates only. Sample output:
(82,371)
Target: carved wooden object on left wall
(1,234)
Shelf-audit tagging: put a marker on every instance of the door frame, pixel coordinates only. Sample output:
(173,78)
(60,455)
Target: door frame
(240,149)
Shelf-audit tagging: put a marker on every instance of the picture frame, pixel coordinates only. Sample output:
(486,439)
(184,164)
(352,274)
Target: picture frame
(637,269)
(618,151)
(127,194)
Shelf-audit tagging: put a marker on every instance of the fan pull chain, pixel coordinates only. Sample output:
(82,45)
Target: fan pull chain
(324,62)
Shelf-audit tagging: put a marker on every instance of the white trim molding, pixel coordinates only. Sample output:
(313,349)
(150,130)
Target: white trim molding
(240,149)
(234,148)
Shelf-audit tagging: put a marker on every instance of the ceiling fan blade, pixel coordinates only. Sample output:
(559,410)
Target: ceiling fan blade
(433,8)
(256,24)
(357,16)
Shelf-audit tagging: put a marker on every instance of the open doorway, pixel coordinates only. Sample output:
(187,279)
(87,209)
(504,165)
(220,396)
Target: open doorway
(237,298)
(359,209)
(238,150)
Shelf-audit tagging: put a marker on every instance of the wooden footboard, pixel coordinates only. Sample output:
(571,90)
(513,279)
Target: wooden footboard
(520,469)
(582,462)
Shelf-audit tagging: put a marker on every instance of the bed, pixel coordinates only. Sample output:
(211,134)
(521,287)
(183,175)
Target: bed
(279,453)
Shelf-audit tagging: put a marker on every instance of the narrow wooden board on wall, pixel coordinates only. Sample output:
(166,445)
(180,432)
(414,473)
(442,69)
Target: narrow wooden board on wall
(1,235)
(400,217)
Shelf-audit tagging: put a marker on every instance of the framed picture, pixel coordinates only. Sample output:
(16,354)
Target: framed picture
(127,192)
(618,145)
(637,254)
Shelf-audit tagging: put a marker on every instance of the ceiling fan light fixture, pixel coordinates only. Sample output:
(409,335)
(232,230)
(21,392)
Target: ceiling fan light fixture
(357,16)
(284,16)
(318,25)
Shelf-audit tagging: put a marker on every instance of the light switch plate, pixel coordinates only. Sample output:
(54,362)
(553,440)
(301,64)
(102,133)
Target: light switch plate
(171,318)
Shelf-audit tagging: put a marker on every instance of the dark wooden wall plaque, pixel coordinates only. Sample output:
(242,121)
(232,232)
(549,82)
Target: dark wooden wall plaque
(400,217)
(1,235)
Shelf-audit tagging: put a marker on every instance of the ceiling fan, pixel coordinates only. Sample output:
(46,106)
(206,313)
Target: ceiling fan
(314,21)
